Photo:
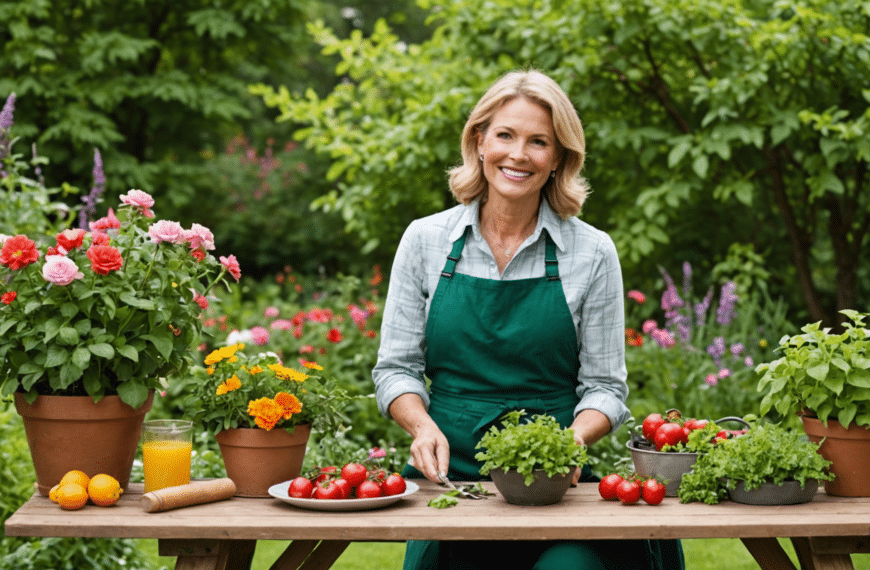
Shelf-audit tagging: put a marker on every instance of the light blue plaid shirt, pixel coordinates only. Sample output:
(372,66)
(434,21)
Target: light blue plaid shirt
(591,278)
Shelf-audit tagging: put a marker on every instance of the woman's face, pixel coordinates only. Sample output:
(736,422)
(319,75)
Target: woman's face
(519,150)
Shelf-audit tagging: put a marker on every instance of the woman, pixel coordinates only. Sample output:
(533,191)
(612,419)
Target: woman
(508,301)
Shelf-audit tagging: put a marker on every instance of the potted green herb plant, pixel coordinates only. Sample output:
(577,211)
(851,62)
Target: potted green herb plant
(825,379)
(531,463)
(769,465)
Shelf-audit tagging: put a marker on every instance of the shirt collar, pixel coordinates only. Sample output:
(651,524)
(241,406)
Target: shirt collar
(547,220)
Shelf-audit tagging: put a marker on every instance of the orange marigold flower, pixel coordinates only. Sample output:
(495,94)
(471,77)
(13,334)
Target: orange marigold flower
(230,384)
(256,369)
(289,403)
(285,373)
(266,412)
(311,365)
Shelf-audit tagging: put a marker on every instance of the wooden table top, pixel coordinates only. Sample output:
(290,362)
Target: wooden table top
(581,514)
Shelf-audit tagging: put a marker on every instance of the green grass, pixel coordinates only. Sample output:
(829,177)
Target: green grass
(701,554)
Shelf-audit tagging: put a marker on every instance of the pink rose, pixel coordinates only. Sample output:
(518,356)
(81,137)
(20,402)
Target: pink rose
(99,238)
(232,265)
(271,312)
(281,325)
(70,239)
(260,335)
(139,199)
(166,231)
(105,258)
(110,222)
(60,270)
(200,300)
(199,236)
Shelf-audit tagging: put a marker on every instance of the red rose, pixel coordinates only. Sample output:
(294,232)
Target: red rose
(70,239)
(8,297)
(105,258)
(334,335)
(18,252)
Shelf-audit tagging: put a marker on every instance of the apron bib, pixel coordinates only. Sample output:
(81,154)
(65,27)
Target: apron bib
(493,347)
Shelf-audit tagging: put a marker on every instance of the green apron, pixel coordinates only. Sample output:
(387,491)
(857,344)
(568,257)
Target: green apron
(492,347)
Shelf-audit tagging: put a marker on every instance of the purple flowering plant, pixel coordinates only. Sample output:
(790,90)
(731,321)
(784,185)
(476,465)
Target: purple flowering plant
(698,353)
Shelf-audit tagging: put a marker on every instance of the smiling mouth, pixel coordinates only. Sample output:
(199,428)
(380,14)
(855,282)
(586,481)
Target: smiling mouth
(515,174)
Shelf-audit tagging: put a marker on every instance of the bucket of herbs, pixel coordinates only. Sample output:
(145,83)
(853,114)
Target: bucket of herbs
(530,462)
(770,465)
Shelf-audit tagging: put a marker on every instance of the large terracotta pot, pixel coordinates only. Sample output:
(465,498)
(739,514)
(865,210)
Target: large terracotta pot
(73,432)
(849,450)
(256,459)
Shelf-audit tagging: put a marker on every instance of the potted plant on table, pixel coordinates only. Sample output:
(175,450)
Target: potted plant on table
(825,379)
(261,413)
(770,465)
(531,463)
(97,319)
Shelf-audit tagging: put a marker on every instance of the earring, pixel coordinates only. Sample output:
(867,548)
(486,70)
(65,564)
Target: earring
(481,157)
(552,174)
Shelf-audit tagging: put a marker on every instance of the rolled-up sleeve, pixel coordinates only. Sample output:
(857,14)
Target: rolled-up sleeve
(601,331)
(401,359)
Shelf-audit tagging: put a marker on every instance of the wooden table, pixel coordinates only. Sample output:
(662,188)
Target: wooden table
(223,534)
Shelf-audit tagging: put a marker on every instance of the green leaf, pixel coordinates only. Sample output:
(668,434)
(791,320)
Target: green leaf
(103,350)
(134,301)
(128,351)
(68,336)
(57,355)
(81,357)
(163,344)
(132,393)
(818,370)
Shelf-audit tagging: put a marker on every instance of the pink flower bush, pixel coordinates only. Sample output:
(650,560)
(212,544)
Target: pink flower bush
(199,236)
(232,265)
(141,200)
(167,231)
(61,270)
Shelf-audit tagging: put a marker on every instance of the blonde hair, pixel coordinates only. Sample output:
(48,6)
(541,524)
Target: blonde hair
(567,190)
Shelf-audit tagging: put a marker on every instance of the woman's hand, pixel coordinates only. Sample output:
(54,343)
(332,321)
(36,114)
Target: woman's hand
(430,452)
(589,426)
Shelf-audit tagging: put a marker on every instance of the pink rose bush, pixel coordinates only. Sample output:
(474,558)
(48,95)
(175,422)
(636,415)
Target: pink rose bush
(107,311)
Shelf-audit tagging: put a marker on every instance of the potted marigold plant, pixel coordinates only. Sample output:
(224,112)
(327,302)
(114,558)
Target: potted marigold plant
(98,318)
(261,413)
(824,377)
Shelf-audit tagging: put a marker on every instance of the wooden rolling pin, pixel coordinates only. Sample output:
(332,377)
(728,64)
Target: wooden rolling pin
(194,493)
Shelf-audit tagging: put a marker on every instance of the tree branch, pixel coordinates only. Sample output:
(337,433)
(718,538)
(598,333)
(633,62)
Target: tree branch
(659,88)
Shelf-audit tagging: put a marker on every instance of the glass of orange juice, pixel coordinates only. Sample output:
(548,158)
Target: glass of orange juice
(166,448)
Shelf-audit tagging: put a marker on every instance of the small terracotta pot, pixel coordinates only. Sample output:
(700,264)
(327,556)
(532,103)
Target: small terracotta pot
(256,459)
(72,432)
(849,450)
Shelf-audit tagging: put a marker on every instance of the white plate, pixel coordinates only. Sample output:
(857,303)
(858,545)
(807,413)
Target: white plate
(279,491)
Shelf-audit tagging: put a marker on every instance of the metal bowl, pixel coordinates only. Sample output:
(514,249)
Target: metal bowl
(789,493)
(665,466)
(544,490)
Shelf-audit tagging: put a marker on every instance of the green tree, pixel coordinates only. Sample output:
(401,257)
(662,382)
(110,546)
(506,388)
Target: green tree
(709,123)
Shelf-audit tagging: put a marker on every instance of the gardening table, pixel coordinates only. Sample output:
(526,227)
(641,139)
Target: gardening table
(224,534)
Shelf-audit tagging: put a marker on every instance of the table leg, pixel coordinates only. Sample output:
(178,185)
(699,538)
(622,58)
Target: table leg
(208,554)
(768,553)
(310,555)
(829,553)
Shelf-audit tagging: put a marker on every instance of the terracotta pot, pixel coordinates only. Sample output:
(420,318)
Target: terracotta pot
(256,459)
(849,450)
(72,432)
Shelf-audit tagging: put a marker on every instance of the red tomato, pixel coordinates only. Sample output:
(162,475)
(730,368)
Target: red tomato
(344,486)
(652,492)
(393,485)
(723,434)
(669,433)
(628,492)
(369,490)
(326,473)
(694,424)
(607,486)
(301,488)
(328,489)
(651,424)
(354,473)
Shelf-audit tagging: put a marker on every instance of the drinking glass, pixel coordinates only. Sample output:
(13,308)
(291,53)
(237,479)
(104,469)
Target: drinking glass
(166,449)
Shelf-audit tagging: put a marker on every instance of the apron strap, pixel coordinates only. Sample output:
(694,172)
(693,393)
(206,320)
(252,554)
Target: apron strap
(455,255)
(551,264)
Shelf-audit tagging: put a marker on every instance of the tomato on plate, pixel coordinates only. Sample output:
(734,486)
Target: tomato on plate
(393,485)
(344,486)
(301,488)
(607,486)
(369,490)
(327,473)
(652,492)
(328,489)
(354,473)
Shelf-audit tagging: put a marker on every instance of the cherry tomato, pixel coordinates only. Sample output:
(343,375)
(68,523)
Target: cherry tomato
(301,488)
(652,492)
(326,473)
(670,433)
(694,424)
(607,486)
(354,473)
(628,492)
(327,489)
(723,434)
(344,486)
(369,490)
(651,424)
(393,485)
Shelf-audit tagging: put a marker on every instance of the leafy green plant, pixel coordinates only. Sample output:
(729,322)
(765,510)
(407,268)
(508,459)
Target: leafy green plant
(110,311)
(537,444)
(768,453)
(825,374)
